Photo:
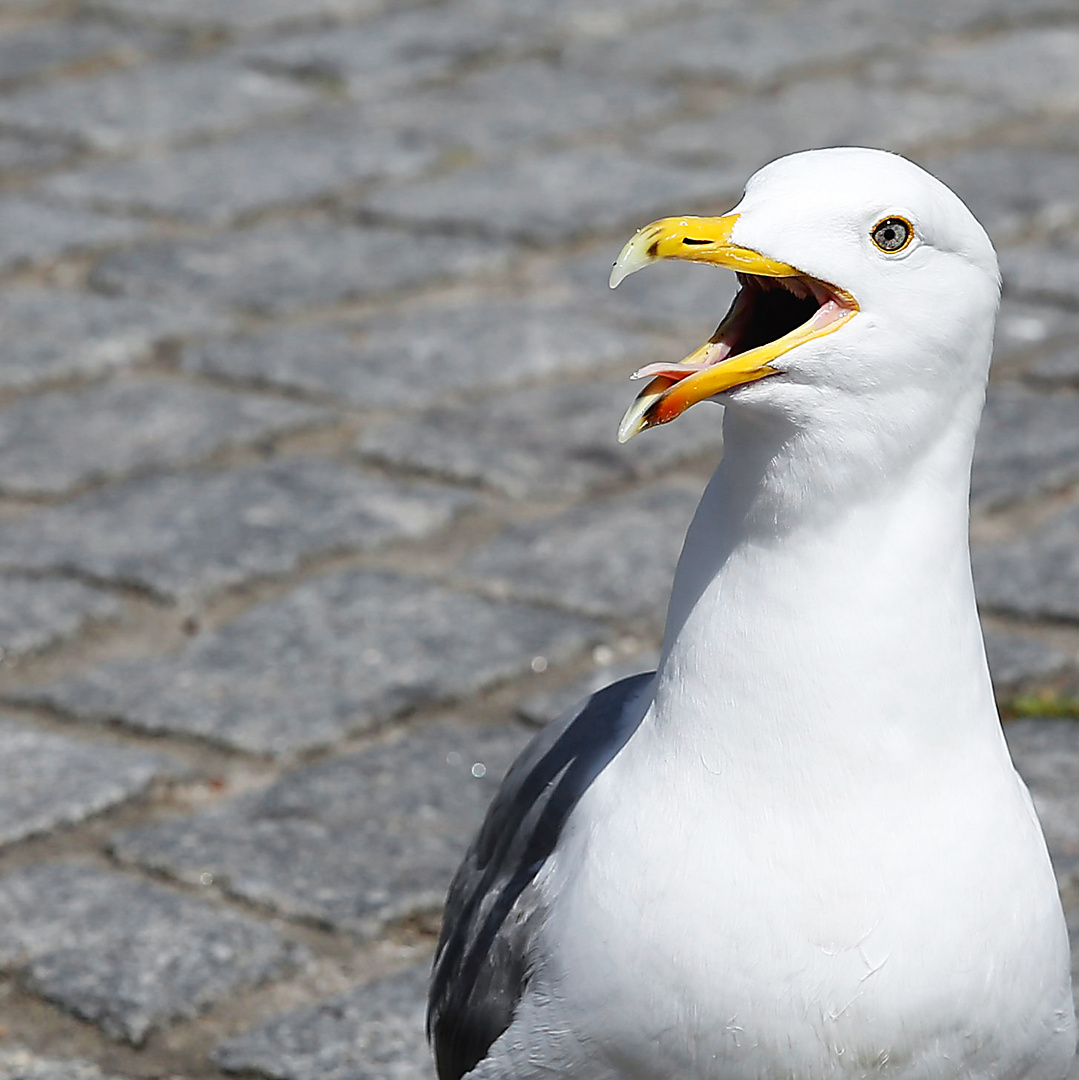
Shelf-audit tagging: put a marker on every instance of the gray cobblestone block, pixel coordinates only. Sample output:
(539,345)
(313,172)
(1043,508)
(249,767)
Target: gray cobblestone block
(558,440)
(1008,189)
(1045,272)
(496,111)
(284,266)
(560,195)
(922,17)
(1062,133)
(1025,330)
(1032,68)
(39,48)
(751,48)
(332,657)
(124,954)
(544,707)
(155,103)
(421,356)
(49,780)
(355,842)
(561,20)
(820,112)
(32,231)
(1036,574)
(374,1032)
(251,172)
(1028,443)
(17,1063)
(243,16)
(1017,659)
(36,613)
(57,441)
(21,152)
(1059,364)
(184,537)
(610,557)
(381,57)
(54,334)
(1046,754)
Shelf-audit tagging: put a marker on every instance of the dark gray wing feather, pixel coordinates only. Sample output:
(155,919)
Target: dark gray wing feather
(481,966)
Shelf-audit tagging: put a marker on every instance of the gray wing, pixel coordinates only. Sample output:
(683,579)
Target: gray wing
(481,966)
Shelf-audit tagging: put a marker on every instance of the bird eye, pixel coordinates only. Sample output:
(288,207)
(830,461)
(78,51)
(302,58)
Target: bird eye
(892,234)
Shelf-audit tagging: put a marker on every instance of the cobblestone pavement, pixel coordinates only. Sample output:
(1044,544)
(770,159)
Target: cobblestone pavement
(310,504)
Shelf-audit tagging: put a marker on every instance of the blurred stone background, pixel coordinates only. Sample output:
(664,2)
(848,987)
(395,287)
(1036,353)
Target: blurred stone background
(310,503)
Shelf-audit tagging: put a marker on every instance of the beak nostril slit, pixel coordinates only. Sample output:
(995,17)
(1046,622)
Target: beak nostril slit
(692,240)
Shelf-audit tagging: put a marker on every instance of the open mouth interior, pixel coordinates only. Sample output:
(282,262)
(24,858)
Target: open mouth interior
(765,311)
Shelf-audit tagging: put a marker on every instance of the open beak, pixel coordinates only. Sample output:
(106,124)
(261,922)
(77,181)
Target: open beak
(777,308)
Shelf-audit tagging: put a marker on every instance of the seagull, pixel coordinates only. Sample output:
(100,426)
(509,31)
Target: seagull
(799,849)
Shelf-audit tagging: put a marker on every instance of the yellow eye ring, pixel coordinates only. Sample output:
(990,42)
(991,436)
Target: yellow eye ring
(892,234)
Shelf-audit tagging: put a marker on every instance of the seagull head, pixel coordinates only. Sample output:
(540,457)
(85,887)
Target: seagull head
(868,294)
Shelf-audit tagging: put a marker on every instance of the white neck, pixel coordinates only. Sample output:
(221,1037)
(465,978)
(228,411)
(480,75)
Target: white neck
(792,586)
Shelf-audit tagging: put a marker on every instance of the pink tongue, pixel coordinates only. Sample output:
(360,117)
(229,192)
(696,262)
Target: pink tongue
(713,352)
(668,371)
(826,314)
